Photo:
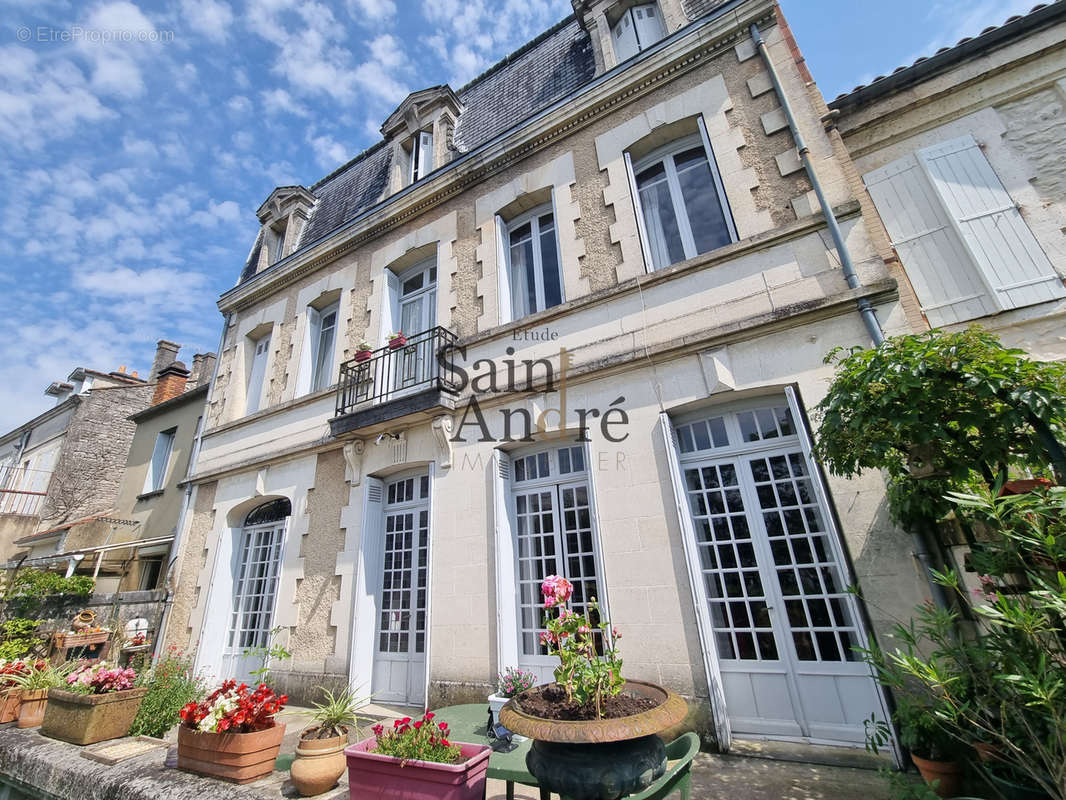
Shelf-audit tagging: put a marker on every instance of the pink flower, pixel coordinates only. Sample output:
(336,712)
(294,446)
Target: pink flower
(556,590)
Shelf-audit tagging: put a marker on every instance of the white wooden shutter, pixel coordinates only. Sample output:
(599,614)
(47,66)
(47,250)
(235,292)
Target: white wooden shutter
(597,544)
(390,307)
(624,36)
(649,25)
(949,287)
(503,271)
(425,153)
(642,229)
(370,566)
(713,163)
(999,240)
(506,581)
(257,374)
(695,574)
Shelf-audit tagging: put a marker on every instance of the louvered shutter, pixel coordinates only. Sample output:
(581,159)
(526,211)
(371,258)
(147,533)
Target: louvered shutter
(370,566)
(503,271)
(949,287)
(703,620)
(390,307)
(999,240)
(506,581)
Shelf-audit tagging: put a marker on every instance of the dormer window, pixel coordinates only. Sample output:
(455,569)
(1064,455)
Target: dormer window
(421,155)
(276,244)
(638,28)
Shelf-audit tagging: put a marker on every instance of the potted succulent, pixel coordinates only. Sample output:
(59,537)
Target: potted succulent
(509,683)
(99,702)
(397,340)
(320,753)
(931,749)
(363,352)
(33,687)
(416,760)
(595,733)
(232,734)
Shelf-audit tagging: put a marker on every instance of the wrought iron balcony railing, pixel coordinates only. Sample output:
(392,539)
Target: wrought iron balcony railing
(394,373)
(22,490)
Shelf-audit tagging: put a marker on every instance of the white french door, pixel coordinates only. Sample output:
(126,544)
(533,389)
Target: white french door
(400,645)
(782,622)
(418,314)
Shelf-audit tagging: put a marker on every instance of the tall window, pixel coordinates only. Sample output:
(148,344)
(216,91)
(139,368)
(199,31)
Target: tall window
(532,253)
(418,298)
(421,155)
(323,325)
(257,373)
(682,202)
(157,467)
(639,27)
(256,576)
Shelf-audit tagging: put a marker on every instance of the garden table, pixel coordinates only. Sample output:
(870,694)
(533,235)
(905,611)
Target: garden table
(468,723)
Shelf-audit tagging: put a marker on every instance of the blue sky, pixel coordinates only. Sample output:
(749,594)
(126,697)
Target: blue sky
(133,169)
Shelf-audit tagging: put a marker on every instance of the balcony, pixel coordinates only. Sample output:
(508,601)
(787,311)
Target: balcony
(22,490)
(396,382)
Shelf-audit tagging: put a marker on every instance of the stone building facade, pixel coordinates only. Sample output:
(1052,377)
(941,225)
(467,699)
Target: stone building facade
(611,237)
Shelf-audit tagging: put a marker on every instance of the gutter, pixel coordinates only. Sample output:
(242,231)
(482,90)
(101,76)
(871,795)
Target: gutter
(865,308)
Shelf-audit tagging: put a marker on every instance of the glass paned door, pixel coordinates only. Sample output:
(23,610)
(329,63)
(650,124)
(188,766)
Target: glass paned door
(258,565)
(418,313)
(399,664)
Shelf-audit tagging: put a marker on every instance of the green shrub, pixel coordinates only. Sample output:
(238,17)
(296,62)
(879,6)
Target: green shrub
(171,684)
(17,636)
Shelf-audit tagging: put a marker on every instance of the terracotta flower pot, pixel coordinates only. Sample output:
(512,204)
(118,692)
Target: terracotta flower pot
(88,718)
(31,710)
(372,775)
(235,757)
(362,355)
(949,773)
(397,342)
(9,710)
(319,763)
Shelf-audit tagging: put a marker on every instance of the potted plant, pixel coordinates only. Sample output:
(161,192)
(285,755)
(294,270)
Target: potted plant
(595,733)
(99,702)
(33,686)
(397,340)
(363,352)
(509,683)
(320,757)
(931,749)
(232,734)
(416,760)
(10,692)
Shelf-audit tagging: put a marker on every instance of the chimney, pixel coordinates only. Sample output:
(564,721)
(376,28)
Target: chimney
(203,368)
(165,355)
(170,383)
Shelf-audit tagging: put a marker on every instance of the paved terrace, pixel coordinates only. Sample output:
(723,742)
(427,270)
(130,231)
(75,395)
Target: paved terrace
(33,766)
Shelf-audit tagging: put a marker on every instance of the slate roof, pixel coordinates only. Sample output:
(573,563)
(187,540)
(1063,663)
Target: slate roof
(541,72)
(947,57)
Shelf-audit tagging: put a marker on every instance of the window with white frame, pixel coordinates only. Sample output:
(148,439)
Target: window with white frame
(157,467)
(257,373)
(681,202)
(554,535)
(960,236)
(323,330)
(638,28)
(418,297)
(421,155)
(532,271)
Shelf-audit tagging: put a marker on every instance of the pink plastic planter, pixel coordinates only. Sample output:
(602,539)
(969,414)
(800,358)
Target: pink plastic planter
(371,775)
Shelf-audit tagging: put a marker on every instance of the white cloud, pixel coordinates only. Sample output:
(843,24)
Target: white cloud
(279,101)
(364,11)
(209,18)
(329,153)
(239,104)
(226,211)
(139,148)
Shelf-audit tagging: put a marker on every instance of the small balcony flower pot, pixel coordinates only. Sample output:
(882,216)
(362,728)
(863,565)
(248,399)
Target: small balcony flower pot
(234,757)
(396,342)
(89,718)
(949,773)
(319,763)
(31,709)
(372,775)
(9,710)
(363,355)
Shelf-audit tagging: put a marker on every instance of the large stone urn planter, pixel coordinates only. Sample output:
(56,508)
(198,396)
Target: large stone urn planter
(89,718)
(234,757)
(373,776)
(319,763)
(31,710)
(601,759)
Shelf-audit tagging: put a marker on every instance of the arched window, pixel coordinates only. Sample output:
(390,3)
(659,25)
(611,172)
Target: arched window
(272,511)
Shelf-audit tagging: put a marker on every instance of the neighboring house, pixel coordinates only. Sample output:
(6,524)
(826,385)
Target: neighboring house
(964,156)
(619,205)
(101,453)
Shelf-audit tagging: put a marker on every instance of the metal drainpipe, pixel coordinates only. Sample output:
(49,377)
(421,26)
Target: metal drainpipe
(175,546)
(866,310)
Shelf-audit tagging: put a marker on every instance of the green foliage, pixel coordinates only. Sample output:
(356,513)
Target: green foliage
(273,651)
(337,711)
(30,586)
(941,404)
(171,684)
(903,787)
(17,636)
(1005,687)
(48,678)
